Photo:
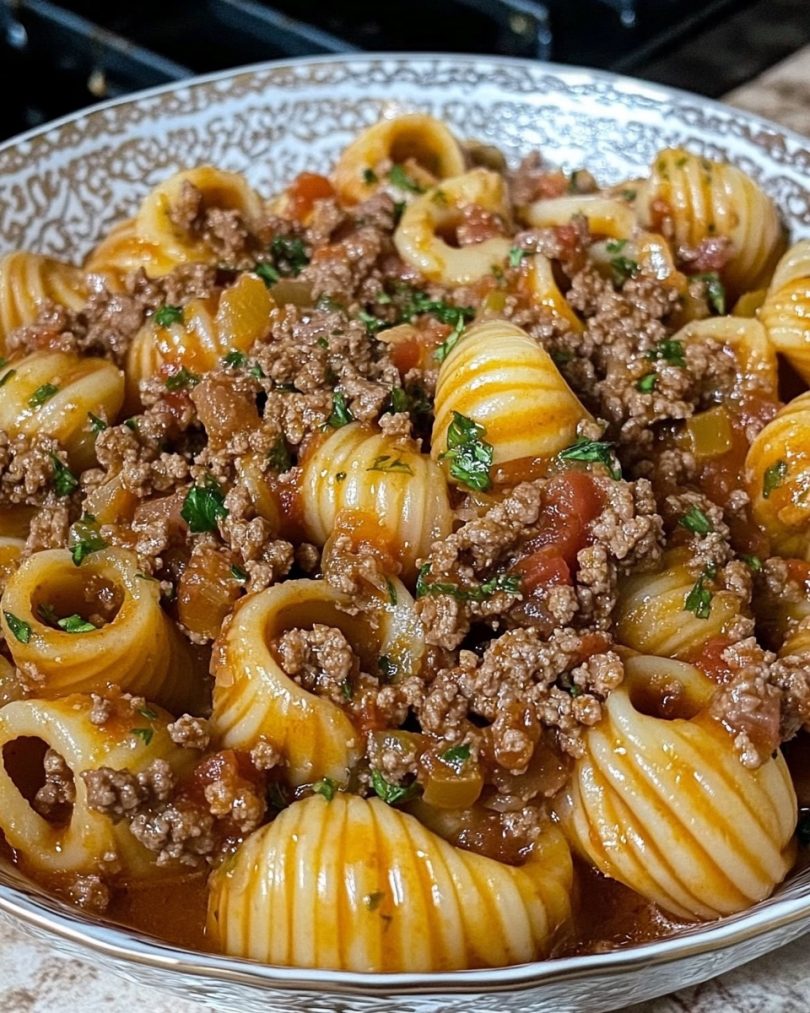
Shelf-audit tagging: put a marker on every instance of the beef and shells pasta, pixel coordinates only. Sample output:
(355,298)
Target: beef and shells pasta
(409,570)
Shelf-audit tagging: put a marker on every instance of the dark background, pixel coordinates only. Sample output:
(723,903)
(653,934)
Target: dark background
(60,56)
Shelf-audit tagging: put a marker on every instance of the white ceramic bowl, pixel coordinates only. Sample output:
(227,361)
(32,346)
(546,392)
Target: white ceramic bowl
(61,186)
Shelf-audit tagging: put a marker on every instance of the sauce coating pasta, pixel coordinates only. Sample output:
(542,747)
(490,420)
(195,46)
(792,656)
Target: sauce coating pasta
(420,550)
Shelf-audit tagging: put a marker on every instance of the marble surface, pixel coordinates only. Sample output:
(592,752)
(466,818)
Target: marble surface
(33,980)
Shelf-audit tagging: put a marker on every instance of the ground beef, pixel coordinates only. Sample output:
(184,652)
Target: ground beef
(190,732)
(181,833)
(120,793)
(59,789)
(321,660)
(89,892)
(27,468)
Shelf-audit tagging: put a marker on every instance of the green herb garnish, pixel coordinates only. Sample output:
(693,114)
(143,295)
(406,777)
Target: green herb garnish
(289,255)
(234,359)
(238,573)
(715,291)
(97,425)
(647,383)
(64,481)
(400,178)
(278,457)
(470,456)
(450,342)
(773,477)
(516,256)
(598,451)
(75,624)
(166,315)
(391,793)
(203,506)
(754,563)
(671,350)
(84,538)
(388,668)
(183,379)
(456,757)
(146,734)
(20,628)
(326,787)
(387,462)
(341,416)
(506,582)
(696,521)
(267,273)
(699,599)
(42,394)
(392,591)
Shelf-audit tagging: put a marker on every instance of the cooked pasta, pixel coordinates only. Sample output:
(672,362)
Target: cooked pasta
(663,804)
(57,394)
(125,640)
(383,893)
(79,839)
(454,513)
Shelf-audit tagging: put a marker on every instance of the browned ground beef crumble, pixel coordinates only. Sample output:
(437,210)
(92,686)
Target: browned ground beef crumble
(516,685)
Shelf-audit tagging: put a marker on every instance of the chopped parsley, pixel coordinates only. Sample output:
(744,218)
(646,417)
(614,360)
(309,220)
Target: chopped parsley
(398,401)
(183,379)
(419,302)
(289,255)
(774,476)
(369,177)
(42,394)
(696,521)
(516,256)
(647,383)
(388,668)
(391,793)
(346,689)
(278,457)
(97,425)
(387,462)
(456,757)
(754,563)
(470,456)
(326,787)
(373,324)
(373,900)
(75,624)
(166,315)
(203,506)
(267,273)
(400,179)
(238,574)
(19,627)
(6,377)
(64,481)
(623,269)
(234,359)
(148,713)
(699,599)
(341,416)
(670,350)
(598,451)
(392,591)
(84,538)
(506,582)
(146,734)
(450,342)
(715,291)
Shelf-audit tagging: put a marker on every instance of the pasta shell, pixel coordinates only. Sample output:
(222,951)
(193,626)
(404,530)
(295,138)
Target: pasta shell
(605,217)
(255,698)
(399,493)
(418,237)
(786,309)
(90,841)
(777,471)
(502,379)
(691,198)
(139,648)
(355,885)
(28,281)
(667,808)
(421,141)
(747,340)
(651,614)
(545,292)
(55,393)
(123,251)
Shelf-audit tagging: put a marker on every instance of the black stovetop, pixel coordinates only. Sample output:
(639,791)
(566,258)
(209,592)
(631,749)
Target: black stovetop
(67,54)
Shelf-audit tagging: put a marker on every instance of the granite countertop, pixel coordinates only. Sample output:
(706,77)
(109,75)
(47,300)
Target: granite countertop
(33,980)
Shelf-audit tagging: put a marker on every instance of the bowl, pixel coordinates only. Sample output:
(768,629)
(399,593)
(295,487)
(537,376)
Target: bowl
(64,184)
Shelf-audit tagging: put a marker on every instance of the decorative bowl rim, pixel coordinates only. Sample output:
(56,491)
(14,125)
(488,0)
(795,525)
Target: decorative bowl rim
(50,916)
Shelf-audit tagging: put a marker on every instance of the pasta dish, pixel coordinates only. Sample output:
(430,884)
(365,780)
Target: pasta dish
(409,571)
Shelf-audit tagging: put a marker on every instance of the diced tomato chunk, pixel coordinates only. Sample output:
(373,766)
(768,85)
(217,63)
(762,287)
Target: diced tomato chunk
(305,189)
(544,568)
(406,354)
(709,659)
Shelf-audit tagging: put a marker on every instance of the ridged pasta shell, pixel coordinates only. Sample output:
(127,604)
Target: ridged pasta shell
(91,841)
(777,471)
(545,292)
(418,237)
(651,614)
(786,309)
(140,649)
(698,198)
(28,280)
(355,885)
(667,808)
(123,251)
(399,493)
(55,393)
(502,379)
(254,697)
(605,217)
(219,189)
(423,139)
(747,339)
